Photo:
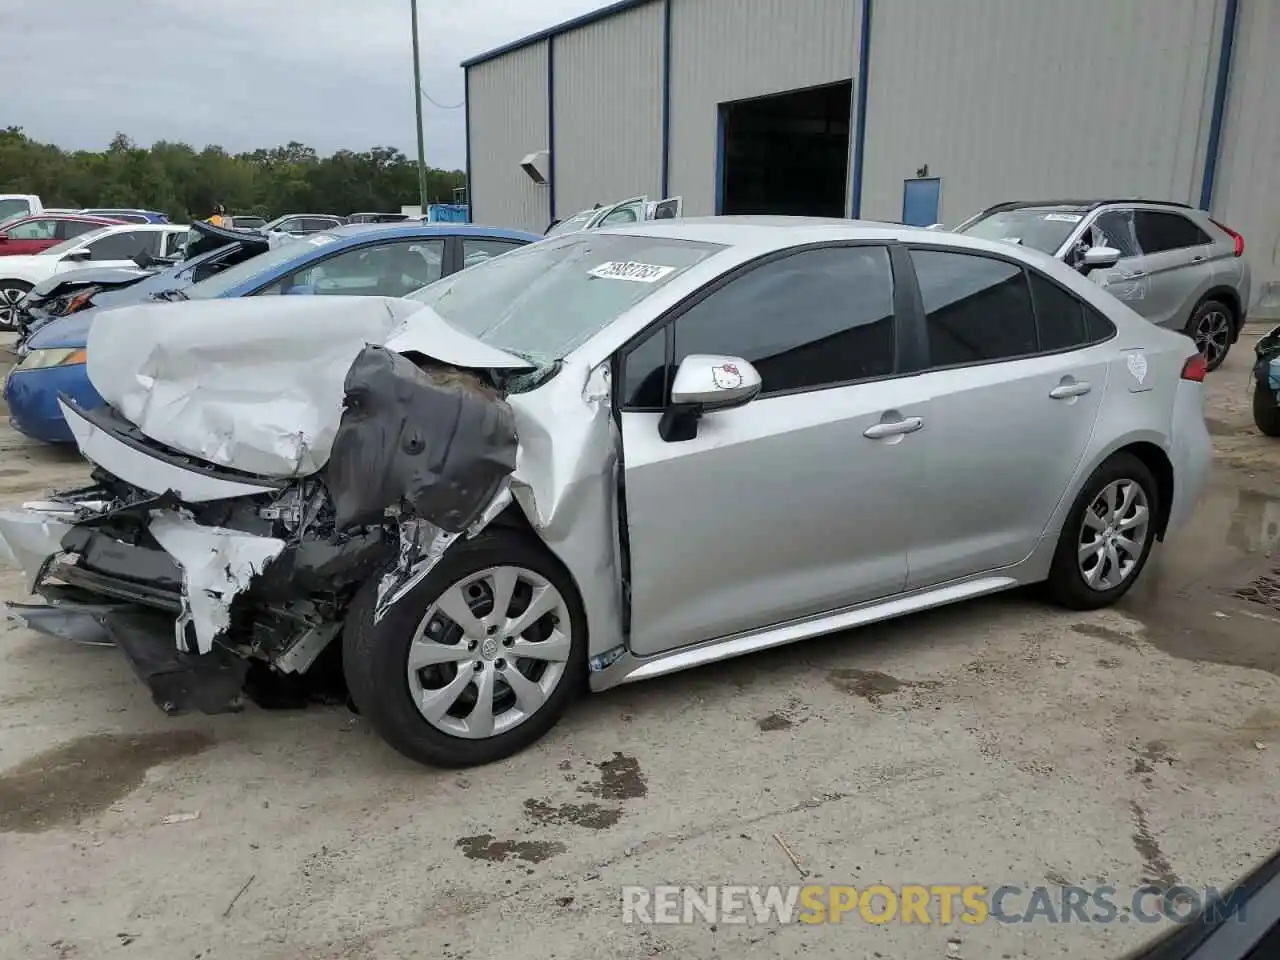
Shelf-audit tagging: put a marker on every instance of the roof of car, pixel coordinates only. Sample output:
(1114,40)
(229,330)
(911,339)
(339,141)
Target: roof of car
(1082,204)
(764,234)
(77,217)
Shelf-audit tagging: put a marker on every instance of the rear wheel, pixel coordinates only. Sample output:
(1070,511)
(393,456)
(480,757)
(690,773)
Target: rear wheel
(11,292)
(1266,410)
(1107,536)
(478,661)
(1212,327)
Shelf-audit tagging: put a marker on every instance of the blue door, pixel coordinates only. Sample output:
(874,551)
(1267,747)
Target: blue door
(920,201)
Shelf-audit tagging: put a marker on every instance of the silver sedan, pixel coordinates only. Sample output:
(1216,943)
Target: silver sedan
(603,458)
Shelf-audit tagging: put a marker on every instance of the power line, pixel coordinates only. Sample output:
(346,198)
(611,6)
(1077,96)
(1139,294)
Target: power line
(443,106)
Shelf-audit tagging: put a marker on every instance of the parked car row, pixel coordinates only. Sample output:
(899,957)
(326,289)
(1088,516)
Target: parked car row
(479,497)
(383,260)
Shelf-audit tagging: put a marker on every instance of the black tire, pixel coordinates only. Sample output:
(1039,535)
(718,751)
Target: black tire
(10,292)
(375,655)
(1066,585)
(1266,410)
(1215,356)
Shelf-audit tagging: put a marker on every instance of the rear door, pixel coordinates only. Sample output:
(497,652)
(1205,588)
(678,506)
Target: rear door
(1180,258)
(783,508)
(1013,391)
(628,211)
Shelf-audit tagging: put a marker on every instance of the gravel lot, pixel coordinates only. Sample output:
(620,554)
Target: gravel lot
(1000,742)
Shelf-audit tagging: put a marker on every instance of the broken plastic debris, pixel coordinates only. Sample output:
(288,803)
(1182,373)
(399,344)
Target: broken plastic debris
(216,565)
(180,817)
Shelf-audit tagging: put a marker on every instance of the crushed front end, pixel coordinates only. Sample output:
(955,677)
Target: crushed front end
(197,595)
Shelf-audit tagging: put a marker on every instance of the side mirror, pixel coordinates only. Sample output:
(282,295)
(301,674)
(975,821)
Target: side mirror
(705,383)
(1099,258)
(78,256)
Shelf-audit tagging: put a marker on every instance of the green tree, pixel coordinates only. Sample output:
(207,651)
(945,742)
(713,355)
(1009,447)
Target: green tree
(185,184)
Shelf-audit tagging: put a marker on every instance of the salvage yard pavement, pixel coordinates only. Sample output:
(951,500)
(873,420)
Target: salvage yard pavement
(998,742)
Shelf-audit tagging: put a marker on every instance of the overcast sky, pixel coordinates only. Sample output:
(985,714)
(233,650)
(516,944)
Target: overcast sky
(251,73)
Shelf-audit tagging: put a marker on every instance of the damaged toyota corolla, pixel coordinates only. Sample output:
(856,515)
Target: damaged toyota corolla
(603,458)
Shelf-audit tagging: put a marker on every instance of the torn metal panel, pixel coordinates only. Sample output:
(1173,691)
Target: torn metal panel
(427,333)
(254,384)
(436,444)
(217,564)
(422,546)
(565,482)
(299,657)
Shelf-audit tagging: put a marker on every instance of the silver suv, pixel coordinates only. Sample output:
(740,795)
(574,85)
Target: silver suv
(1176,265)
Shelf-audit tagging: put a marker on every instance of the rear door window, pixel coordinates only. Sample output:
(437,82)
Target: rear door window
(479,249)
(73,228)
(977,309)
(1158,232)
(1063,321)
(34,230)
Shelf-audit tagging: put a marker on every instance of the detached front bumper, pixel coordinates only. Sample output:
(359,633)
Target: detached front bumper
(103,591)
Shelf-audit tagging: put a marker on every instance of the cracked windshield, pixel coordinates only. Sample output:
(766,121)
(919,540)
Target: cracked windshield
(661,478)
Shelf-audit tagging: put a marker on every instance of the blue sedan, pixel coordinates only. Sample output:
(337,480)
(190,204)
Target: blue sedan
(384,260)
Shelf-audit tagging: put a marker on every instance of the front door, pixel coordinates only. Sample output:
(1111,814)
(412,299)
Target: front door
(782,508)
(1013,394)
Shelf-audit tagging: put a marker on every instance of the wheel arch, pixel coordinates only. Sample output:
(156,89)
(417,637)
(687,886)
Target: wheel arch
(1231,298)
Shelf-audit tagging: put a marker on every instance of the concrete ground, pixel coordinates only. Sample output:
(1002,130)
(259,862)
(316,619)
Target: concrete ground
(998,742)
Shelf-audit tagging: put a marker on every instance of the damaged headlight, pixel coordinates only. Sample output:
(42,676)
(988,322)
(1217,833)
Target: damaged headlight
(52,357)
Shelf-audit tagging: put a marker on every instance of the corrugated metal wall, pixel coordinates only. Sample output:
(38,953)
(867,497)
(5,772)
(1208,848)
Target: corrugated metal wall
(508,119)
(608,102)
(724,50)
(1247,193)
(1008,99)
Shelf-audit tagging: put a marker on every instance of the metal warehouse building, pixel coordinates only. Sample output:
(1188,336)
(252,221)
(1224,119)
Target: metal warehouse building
(900,110)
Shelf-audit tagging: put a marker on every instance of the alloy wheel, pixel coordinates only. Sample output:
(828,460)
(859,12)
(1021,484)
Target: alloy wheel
(1113,535)
(489,652)
(10,297)
(1213,336)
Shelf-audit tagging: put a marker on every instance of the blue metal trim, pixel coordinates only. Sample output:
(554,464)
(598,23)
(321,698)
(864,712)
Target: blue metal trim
(1218,119)
(604,13)
(466,120)
(666,97)
(860,121)
(720,110)
(551,129)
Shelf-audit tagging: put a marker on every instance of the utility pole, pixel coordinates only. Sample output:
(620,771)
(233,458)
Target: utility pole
(417,100)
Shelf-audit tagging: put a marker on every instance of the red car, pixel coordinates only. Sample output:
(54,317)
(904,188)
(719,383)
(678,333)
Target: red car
(39,231)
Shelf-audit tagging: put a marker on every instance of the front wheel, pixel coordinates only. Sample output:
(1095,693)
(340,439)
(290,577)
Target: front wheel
(478,661)
(1107,536)
(11,294)
(1266,410)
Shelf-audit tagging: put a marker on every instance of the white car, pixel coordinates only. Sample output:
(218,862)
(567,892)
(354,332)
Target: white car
(116,246)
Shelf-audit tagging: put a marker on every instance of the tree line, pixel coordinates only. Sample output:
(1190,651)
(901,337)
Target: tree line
(185,183)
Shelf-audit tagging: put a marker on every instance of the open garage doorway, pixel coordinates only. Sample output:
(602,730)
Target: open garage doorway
(787,153)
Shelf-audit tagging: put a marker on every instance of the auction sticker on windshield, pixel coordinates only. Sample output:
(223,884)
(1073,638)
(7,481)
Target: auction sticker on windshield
(1063,217)
(630,270)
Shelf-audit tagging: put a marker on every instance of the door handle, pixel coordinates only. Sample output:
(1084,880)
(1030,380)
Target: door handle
(893,428)
(1077,389)
(1136,275)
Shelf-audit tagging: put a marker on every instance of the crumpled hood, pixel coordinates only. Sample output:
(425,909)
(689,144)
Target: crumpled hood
(257,384)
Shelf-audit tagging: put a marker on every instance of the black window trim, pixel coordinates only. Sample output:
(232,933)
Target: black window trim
(382,242)
(919,320)
(905,351)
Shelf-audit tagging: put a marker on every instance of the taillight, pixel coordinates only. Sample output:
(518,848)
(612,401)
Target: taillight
(1232,234)
(1195,368)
